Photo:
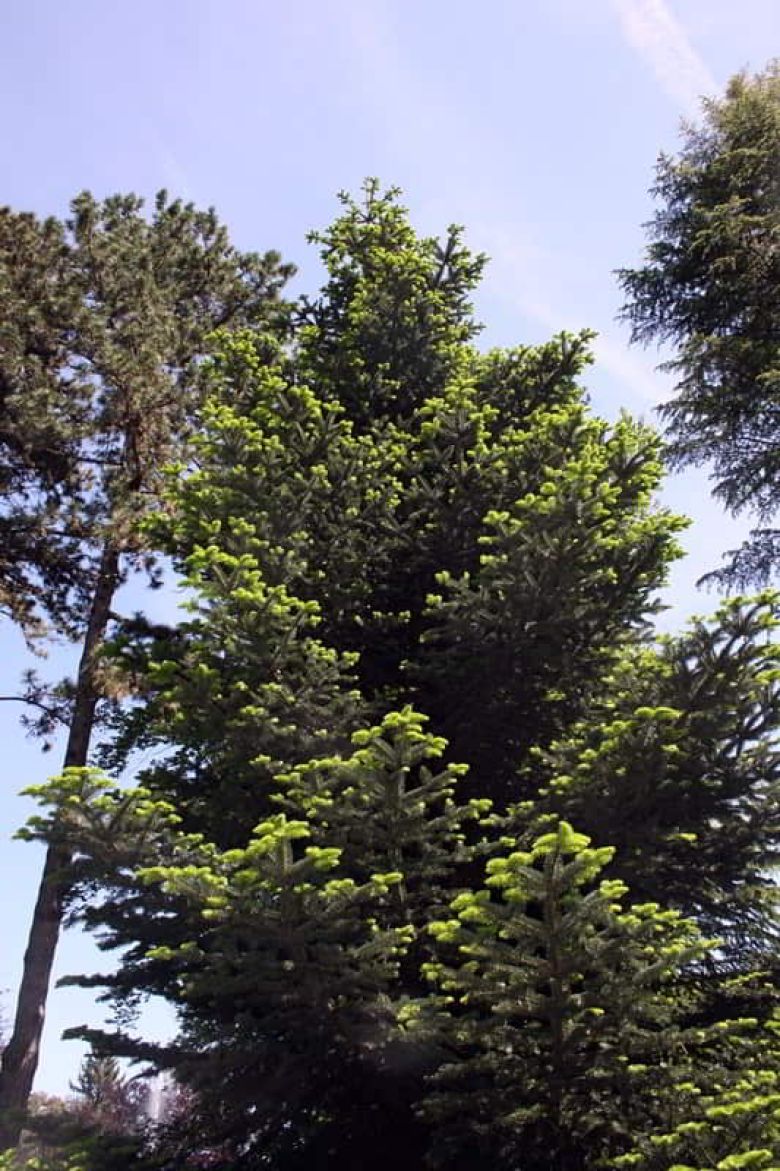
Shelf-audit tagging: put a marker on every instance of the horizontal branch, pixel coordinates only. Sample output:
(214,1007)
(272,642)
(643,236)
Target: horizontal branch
(51,712)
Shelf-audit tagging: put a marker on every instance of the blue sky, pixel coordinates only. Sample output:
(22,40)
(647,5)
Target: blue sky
(533,122)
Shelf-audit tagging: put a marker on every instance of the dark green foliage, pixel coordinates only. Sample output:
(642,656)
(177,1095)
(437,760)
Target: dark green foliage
(733,1123)
(102,1128)
(107,1100)
(711,287)
(387,809)
(388,328)
(292,984)
(105,317)
(280,960)
(240,692)
(98,1079)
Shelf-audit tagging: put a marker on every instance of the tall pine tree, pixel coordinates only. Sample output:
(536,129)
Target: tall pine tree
(106,317)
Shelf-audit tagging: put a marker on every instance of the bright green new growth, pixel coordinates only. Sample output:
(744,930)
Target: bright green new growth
(558,1004)
(683,738)
(728,1126)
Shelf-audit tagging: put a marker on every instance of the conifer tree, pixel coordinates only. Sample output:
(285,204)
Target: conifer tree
(282,992)
(105,321)
(676,765)
(485,537)
(279,960)
(386,809)
(562,1021)
(459,536)
(710,286)
(107,1099)
(731,1121)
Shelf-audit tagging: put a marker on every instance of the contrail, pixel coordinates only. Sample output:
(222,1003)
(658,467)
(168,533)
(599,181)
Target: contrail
(655,33)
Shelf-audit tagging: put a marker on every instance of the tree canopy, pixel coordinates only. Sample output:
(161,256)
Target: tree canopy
(711,287)
(441,855)
(105,321)
(105,315)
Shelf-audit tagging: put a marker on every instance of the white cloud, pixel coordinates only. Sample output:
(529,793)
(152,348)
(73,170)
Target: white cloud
(655,33)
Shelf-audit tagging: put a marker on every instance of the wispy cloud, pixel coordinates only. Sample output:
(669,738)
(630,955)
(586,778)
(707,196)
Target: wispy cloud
(655,33)
(519,275)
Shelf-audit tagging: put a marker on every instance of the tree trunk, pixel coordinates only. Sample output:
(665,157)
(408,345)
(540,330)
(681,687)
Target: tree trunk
(20,1059)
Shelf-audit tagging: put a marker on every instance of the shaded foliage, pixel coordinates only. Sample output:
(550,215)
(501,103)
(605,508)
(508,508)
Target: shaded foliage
(711,287)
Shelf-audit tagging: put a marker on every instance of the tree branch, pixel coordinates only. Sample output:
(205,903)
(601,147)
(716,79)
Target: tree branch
(51,712)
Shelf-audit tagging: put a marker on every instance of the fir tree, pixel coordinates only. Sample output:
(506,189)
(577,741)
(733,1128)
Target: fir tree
(387,810)
(676,766)
(107,1099)
(485,538)
(711,287)
(558,1011)
(462,547)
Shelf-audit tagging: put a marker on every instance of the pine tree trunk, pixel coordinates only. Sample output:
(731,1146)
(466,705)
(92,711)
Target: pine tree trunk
(20,1059)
